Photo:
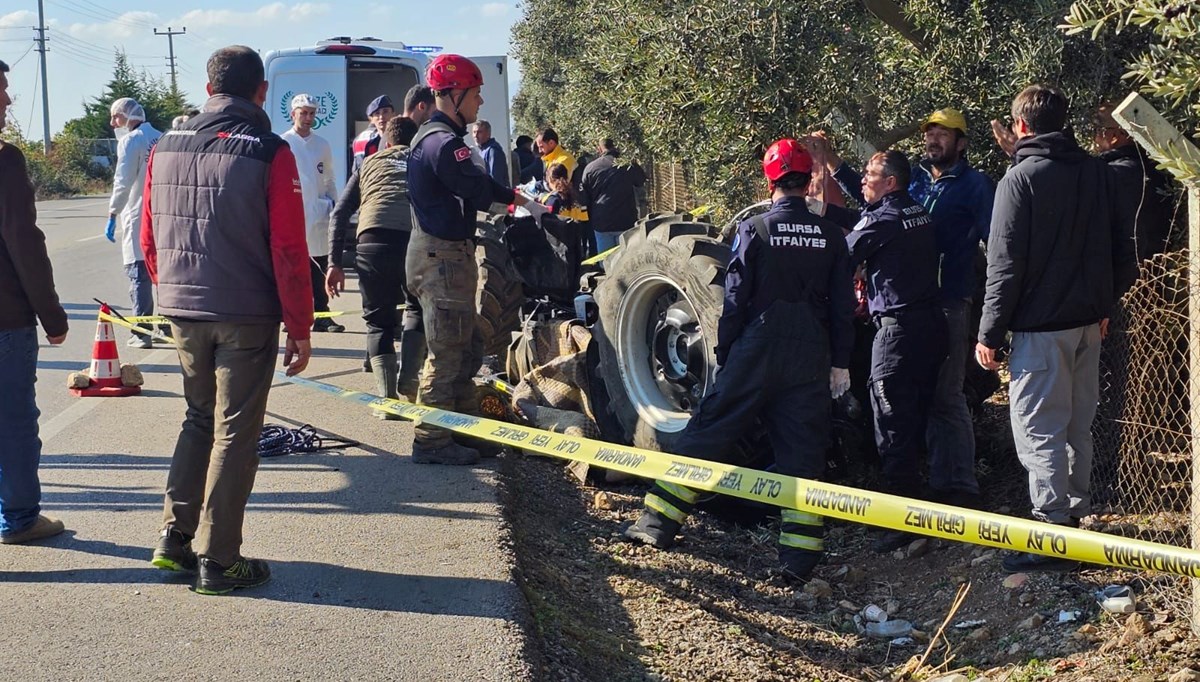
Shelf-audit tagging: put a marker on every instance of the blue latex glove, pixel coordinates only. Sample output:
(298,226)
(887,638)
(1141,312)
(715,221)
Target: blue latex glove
(110,230)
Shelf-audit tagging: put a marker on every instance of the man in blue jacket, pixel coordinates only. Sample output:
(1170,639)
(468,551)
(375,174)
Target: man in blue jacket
(960,200)
(786,325)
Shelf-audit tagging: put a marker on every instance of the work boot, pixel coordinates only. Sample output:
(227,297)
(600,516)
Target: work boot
(797,565)
(485,448)
(451,453)
(43,527)
(653,529)
(217,579)
(385,369)
(892,540)
(174,552)
(412,356)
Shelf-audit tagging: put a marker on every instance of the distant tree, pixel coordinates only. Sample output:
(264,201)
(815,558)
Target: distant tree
(160,102)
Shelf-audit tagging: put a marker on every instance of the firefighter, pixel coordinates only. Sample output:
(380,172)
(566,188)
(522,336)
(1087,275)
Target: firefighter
(783,346)
(446,188)
(895,240)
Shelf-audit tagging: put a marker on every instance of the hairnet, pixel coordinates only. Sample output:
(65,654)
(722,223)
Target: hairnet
(129,108)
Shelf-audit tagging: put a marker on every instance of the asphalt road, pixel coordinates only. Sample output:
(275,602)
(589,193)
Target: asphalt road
(382,569)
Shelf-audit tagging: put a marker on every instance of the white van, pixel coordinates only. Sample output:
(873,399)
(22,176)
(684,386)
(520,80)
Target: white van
(345,75)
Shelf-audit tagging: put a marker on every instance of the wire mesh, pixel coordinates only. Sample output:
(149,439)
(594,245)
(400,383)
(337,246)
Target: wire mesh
(1142,478)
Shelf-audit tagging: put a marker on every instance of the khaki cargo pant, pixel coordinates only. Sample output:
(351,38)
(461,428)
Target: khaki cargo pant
(227,371)
(443,276)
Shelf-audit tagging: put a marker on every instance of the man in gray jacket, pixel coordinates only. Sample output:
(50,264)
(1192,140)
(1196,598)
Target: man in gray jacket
(1061,252)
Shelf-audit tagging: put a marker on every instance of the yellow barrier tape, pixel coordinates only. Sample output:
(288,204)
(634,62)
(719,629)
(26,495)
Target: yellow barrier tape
(159,319)
(599,257)
(700,210)
(825,499)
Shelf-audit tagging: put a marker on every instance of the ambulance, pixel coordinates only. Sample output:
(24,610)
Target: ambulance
(345,74)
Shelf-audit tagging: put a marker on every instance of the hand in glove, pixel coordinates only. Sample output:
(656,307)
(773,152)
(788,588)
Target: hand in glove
(839,381)
(815,206)
(110,230)
(536,210)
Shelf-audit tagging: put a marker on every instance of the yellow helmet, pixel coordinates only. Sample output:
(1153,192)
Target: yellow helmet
(947,118)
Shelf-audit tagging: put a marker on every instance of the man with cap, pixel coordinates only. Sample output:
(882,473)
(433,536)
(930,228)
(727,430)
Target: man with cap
(446,189)
(960,200)
(369,141)
(314,161)
(136,137)
(783,346)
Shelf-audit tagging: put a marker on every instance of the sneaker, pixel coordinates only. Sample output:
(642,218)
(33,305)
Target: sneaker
(217,579)
(165,334)
(653,529)
(1024,562)
(892,540)
(174,552)
(136,341)
(451,453)
(43,527)
(326,324)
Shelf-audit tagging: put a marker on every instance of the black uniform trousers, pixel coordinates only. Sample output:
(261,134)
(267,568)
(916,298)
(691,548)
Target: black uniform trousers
(777,371)
(906,355)
(381,279)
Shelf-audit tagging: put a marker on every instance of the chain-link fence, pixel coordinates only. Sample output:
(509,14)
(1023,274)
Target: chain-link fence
(1142,480)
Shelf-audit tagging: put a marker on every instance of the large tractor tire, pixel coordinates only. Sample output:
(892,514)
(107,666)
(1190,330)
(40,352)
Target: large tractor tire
(659,304)
(499,295)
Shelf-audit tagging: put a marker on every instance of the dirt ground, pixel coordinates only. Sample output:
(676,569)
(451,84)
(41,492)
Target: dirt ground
(714,609)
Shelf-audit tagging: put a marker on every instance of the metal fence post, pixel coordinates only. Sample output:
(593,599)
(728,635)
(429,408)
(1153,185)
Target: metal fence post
(1165,143)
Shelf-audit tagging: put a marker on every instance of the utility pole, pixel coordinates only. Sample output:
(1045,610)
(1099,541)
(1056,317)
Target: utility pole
(41,41)
(171,48)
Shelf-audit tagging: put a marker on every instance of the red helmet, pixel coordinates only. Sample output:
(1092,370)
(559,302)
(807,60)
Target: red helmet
(786,156)
(453,72)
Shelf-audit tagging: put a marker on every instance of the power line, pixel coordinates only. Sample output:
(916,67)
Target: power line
(27,51)
(83,43)
(108,16)
(33,100)
(108,11)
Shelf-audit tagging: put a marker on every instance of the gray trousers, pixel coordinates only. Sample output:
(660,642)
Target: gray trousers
(227,370)
(949,433)
(1053,395)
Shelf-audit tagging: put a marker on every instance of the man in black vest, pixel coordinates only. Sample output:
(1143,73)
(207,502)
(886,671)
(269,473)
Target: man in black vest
(230,262)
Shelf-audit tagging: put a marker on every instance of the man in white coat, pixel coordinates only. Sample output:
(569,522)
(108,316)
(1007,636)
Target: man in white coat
(314,160)
(135,138)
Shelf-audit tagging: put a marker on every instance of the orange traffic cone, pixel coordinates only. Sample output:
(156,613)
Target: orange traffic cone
(105,371)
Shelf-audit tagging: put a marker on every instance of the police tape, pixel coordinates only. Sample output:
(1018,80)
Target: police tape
(159,319)
(824,499)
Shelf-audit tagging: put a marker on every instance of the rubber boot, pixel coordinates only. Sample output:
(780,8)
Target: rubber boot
(412,356)
(385,370)
(654,529)
(451,453)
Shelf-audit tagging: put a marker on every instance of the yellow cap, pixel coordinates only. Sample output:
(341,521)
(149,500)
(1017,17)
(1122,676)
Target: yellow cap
(946,118)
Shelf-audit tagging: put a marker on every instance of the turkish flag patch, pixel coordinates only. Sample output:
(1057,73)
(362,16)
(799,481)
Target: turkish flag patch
(462,154)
